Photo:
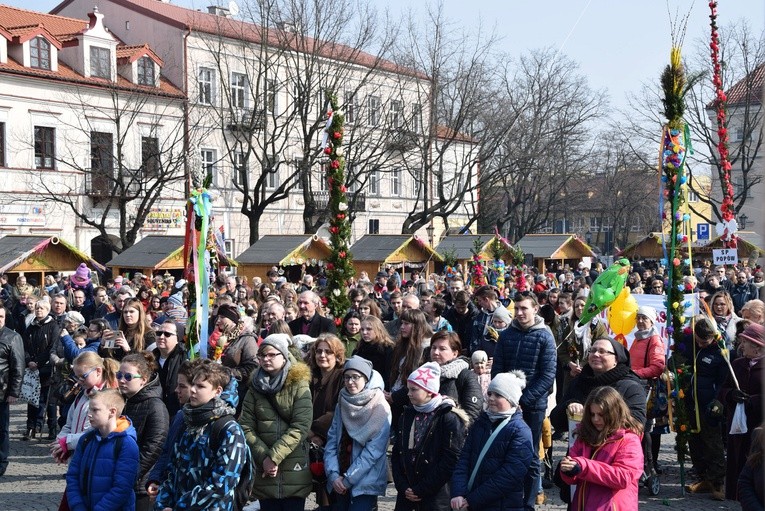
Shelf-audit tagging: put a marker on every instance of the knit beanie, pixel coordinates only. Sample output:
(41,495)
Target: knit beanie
(81,276)
(176,300)
(230,312)
(74,317)
(427,377)
(509,385)
(359,364)
(279,341)
(479,356)
(502,314)
(622,355)
(647,311)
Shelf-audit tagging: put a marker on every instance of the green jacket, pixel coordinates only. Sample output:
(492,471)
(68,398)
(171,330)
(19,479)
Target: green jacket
(285,443)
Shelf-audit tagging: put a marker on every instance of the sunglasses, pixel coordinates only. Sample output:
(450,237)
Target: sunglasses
(84,377)
(162,333)
(127,376)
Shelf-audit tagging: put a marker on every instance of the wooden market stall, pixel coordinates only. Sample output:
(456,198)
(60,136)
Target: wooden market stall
(461,246)
(406,252)
(155,254)
(289,252)
(548,248)
(745,247)
(39,256)
(649,248)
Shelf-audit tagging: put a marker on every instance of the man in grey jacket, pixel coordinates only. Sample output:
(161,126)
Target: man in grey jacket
(11,371)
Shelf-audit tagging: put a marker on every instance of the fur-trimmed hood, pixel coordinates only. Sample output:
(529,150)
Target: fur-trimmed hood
(298,372)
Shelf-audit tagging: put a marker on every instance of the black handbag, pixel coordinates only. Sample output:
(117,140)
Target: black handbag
(67,390)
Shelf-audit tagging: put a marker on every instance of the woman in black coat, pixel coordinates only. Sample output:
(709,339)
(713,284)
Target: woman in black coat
(39,340)
(144,407)
(608,364)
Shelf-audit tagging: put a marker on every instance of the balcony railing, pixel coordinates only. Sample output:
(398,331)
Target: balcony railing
(357,201)
(246,119)
(101,184)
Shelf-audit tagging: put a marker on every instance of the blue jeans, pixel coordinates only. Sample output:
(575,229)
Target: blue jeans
(5,437)
(357,503)
(534,420)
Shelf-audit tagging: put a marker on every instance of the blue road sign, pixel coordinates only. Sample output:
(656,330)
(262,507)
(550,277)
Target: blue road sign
(702,231)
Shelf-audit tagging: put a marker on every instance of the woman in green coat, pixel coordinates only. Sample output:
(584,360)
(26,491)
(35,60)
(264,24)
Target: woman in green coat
(276,416)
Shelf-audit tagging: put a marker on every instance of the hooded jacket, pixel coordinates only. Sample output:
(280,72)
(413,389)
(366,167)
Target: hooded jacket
(151,422)
(533,352)
(100,478)
(499,481)
(284,440)
(428,468)
(609,473)
(199,478)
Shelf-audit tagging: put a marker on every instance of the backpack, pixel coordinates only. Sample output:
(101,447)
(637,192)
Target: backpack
(243,487)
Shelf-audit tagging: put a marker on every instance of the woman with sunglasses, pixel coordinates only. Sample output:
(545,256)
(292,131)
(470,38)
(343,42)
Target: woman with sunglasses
(93,373)
(276,417)
(139,383)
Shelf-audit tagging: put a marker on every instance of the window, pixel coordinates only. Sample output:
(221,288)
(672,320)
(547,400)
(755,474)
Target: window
(206,85)
(238,90)
(271,96)
(45,147)
(150,156)
(351,178)
(374,182)
(373,110)
(101,151)
(3,163)
(395,116)
(271,169)
(146,72)
(209,159)
(299,173)
(349,99)
(323,180)
(692,196)
(416,118)
(594,224)
(240,169)
(100,62)
(374,226)
(39,53)
(395,182)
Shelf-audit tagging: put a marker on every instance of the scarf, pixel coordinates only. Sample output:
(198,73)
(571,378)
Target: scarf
(583,336)
(590,380)
(495,417)
(645,334)
(434,403)
(453,368)
(266,384)
(196,418)
(363,413)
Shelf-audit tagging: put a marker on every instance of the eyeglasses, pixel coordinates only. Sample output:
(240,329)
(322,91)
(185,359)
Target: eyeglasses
(352,377)
(84,377)
(127,376)
(268,356)
(601,352)
(162,333)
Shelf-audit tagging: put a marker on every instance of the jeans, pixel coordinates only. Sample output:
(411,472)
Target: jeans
(357,503)
(534,420)
(285,504)
(5,437)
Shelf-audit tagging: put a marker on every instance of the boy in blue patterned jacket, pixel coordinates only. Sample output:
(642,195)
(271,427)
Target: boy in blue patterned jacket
(205,471)
(104,466)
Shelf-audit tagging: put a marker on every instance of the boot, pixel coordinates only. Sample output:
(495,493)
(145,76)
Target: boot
(718,492)
(699,487)
(52,433)
(29,433)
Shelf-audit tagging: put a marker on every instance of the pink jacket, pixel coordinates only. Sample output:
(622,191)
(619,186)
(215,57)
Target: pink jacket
(610,473)
(650,350)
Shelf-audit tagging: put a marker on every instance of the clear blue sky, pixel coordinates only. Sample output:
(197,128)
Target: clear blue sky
(618,44)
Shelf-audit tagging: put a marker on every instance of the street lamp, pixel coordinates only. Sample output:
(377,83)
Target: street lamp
(430,230)
(742,221)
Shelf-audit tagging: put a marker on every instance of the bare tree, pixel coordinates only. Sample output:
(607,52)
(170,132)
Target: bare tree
(136,141)
(290,53)
(547,147)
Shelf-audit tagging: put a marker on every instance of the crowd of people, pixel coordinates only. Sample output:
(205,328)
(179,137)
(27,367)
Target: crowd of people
(449,391)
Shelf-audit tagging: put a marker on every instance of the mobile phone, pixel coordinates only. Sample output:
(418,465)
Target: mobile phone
(109,338)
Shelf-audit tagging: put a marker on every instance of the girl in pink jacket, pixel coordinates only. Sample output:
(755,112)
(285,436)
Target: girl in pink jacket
(606,460)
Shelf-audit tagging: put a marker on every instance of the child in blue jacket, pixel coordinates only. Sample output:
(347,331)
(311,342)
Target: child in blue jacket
(104,466)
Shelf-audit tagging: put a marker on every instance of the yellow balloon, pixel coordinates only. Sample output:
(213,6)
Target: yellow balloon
(622,314)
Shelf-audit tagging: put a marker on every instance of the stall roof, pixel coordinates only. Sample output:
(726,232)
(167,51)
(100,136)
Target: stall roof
(152,251)
(463,245)
(281,250)
(380,247)
(550,246)
(15,249)
(647,248)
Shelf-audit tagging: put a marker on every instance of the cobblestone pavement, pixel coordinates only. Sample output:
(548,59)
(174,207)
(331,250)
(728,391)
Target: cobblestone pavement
(33,482)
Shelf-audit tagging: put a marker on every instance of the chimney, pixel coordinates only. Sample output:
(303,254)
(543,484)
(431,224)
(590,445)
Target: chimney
(218,11)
